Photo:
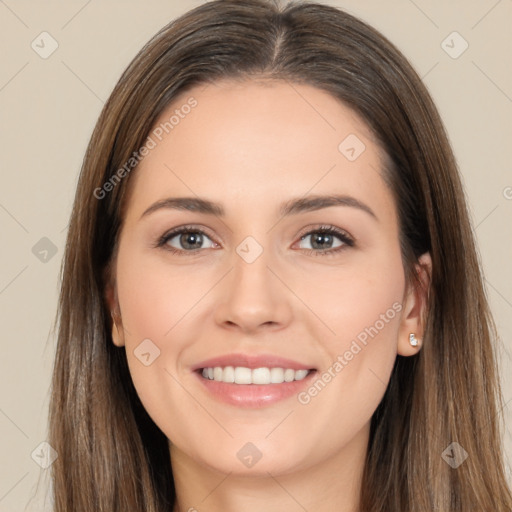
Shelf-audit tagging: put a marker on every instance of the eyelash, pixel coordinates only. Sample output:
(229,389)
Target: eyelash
(325,229)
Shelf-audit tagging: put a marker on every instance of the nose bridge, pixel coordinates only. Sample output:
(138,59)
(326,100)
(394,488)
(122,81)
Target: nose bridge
(251,264)
(252,296)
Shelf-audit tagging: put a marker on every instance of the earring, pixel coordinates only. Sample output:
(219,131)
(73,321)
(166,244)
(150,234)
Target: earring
(413,340)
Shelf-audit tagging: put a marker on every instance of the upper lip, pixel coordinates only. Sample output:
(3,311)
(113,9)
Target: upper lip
(251,361)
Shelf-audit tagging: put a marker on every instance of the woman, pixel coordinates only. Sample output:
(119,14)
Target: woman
(271,296)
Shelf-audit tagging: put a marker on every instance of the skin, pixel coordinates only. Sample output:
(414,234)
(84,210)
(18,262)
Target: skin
(251,146)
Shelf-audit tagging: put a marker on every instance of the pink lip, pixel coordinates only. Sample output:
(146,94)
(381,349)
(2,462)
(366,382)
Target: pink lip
(251,361)
(252,395)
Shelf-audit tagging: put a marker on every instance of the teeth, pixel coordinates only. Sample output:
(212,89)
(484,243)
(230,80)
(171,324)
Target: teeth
(289,375)
(242,375)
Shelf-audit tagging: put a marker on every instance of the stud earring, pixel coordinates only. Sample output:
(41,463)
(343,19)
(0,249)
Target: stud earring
(413,340)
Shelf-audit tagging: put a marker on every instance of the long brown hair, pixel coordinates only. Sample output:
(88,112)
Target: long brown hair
(112,457)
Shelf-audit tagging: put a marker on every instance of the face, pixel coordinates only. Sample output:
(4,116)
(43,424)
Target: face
(277,279)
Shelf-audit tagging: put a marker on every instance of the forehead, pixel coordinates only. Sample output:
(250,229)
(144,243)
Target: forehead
(255,142)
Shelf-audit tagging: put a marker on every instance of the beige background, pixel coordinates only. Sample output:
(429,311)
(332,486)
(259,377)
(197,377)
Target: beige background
(48,110)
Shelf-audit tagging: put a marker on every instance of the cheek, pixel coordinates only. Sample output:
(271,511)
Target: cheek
(363,308)
(156,296)
(158,305)
(152,307)
(357,301)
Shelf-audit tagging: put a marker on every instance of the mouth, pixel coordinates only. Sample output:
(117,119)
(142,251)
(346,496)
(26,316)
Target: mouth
(262,376)
(259,387)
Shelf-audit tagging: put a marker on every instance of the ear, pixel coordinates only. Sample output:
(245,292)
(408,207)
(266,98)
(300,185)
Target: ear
(415,307)
(113,306)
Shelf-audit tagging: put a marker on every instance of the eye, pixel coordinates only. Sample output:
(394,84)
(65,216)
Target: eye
(323,240)
(185,239)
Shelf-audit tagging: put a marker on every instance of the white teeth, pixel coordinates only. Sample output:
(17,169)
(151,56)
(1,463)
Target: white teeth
(228,374)
(289,375)
(217,373)
(261,376)
(276,375)
(243,375)
(301,374)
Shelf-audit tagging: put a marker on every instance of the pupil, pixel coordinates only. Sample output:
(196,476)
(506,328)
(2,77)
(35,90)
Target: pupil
(320,240)
(191,240)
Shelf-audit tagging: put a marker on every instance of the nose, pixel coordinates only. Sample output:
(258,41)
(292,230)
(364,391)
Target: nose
(252,298)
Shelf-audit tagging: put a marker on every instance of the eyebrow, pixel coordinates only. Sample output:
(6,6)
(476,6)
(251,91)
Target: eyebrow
(291,207)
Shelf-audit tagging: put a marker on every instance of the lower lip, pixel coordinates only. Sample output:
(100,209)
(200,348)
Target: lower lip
(254,395)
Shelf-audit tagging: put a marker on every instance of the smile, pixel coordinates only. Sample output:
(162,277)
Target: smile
(258,376)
